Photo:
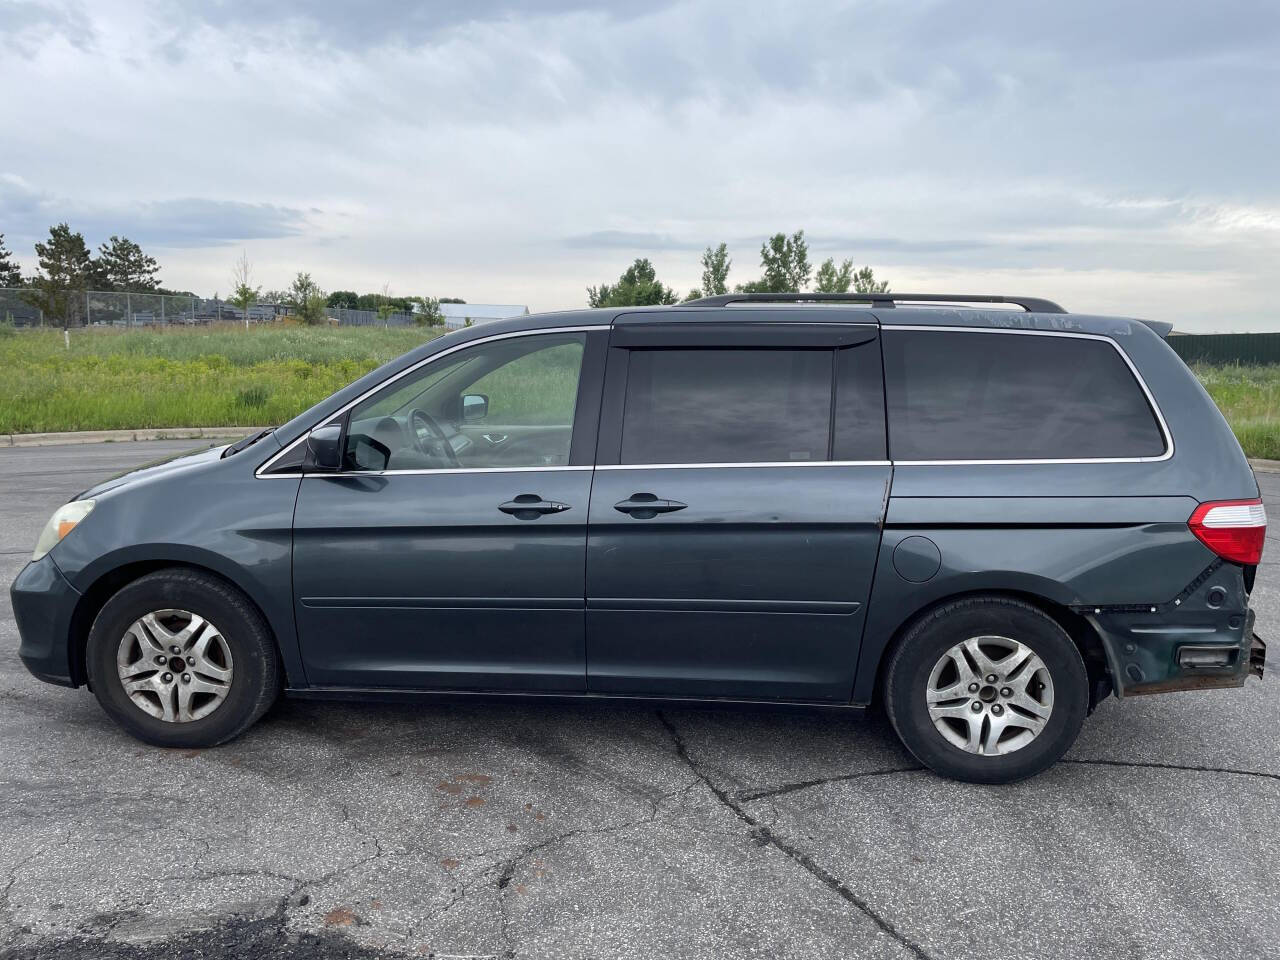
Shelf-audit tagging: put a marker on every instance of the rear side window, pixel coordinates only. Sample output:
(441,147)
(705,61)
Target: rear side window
(1008,396)
(727,406)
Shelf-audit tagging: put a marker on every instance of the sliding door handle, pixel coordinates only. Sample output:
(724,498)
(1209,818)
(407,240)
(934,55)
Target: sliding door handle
(645,506)
(530,506)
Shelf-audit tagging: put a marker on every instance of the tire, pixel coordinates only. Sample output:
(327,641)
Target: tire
(236,673)
(1021,724)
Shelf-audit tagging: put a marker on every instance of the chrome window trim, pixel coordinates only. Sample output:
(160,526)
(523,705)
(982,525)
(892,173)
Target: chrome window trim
(745,463)
(1137,376)
(584,328)
(432,471)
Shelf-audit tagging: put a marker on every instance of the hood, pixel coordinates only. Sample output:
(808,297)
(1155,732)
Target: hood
(165,465)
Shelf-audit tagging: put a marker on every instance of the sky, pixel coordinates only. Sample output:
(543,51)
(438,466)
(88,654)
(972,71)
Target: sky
(1118,157)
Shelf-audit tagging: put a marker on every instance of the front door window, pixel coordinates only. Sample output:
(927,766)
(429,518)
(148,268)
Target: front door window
(505,403)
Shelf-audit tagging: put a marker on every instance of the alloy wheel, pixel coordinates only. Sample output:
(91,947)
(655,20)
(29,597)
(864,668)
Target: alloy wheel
(175,665)
(989,695)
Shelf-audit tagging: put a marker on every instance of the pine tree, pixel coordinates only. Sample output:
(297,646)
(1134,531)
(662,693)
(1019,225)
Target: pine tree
(10,272)
(121,265)
(63,276)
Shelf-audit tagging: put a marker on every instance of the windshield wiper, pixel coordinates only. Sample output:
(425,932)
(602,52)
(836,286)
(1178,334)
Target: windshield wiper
(247,442)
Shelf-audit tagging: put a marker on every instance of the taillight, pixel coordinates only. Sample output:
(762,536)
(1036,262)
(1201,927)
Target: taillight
(1233,529)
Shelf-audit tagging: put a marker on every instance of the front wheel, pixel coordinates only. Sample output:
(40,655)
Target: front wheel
(180,658)
(987,690)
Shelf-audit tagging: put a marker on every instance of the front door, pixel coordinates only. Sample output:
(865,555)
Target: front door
(736,510)
(449,551)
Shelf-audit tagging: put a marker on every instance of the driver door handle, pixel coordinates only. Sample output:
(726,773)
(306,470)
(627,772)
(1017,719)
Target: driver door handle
(530,506)
(645,506)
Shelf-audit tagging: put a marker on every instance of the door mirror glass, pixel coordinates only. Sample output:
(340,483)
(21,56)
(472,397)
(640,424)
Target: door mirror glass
(324,447)
(475,407)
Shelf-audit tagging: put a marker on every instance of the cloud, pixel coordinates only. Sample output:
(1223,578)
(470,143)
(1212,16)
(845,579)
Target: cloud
(345,25)
(27,213)
(27,25)
(518,152)
(627,240)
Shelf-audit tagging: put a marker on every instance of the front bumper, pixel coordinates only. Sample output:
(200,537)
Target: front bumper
(43,604)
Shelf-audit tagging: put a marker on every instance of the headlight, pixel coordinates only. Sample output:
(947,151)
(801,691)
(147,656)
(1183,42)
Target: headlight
(60,524)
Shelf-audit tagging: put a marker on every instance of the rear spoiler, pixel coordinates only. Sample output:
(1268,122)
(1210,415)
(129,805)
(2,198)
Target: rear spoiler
(1159,327)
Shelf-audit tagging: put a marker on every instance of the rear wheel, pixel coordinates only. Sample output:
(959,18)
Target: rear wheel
(182,659)
(987,689)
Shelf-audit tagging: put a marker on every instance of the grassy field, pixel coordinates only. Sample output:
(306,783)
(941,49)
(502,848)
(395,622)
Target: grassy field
(222,376)
(227,376)
(1250,399)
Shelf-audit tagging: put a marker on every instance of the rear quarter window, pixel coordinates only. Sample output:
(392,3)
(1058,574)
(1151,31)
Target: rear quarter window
(969,395)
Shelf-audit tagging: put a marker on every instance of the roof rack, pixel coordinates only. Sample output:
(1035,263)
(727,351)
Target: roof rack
(1030,304)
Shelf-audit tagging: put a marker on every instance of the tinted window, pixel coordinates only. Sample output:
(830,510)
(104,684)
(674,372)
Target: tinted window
(989,396)
(727,406)
(859,433)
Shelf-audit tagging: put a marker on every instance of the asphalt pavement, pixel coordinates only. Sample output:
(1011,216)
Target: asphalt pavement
(356,830)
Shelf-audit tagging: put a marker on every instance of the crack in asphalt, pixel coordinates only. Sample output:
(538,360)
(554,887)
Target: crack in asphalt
(767,837)
(13,878)
(507,873)
(505,869)
(1189,768)
(748,795)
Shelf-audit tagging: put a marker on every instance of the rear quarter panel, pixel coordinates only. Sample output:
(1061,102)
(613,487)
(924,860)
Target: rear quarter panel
(1083,535)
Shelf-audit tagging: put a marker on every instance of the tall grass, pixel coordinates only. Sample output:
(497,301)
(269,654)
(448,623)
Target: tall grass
(223,376)
(1249,397)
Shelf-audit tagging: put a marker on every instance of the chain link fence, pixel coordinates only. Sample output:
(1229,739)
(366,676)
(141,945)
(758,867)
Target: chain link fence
(108,308)
(369,318)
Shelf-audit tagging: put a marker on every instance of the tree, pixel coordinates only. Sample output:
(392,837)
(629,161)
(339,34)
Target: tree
(307,299)
(10,272)
(450,300)
(833,279)
(864,281)
(63,275)
(638,286)
(121,265)
(348,299)
(428,313)
(715,271)
(386,305)
(243,294)
(785,264)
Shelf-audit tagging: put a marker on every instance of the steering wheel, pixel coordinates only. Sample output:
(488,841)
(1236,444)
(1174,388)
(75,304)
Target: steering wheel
(422,423)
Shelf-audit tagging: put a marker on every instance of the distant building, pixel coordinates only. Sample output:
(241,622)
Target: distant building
(472,314)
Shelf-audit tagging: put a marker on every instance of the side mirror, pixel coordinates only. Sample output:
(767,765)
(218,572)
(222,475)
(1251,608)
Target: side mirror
(324,448)
(475,406)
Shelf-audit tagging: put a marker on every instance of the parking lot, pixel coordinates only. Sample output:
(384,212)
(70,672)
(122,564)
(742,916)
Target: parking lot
(605,831)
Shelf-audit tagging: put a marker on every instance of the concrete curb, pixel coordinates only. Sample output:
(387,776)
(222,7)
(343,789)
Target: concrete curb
(119,436)
(1265,466)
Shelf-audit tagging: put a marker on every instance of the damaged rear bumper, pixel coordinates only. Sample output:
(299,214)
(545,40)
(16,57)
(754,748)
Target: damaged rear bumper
(1203,640)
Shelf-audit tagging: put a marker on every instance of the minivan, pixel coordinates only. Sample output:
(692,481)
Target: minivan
(983,515)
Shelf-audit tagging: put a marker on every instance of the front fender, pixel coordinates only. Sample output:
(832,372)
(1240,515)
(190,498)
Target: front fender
(216,516)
